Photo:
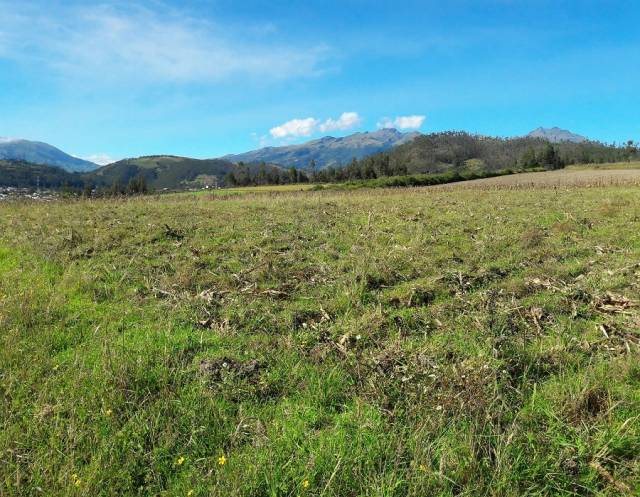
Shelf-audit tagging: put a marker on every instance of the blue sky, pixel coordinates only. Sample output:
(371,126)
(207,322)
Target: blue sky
(206,78)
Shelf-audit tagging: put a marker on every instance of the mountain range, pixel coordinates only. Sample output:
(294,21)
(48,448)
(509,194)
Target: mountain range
(26,163)
(42,153)
(327,151)
(324,152)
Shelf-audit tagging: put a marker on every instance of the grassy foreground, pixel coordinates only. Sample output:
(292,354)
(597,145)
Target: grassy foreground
(371,343)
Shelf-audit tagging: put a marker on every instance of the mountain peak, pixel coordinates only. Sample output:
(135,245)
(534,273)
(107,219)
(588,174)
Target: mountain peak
(387,131)
(556,135)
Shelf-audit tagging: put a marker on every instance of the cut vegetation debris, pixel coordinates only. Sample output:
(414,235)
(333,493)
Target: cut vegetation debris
(398,342)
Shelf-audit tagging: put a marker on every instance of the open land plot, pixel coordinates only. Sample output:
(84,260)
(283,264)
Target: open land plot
(385,342)
(579,176)
(605,166)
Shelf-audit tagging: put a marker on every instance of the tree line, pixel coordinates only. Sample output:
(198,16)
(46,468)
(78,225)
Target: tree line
(243,175)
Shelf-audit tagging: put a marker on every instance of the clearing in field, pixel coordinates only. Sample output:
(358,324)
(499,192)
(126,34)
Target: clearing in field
(380,343)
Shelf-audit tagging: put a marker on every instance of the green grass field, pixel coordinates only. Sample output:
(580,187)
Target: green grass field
(415,342)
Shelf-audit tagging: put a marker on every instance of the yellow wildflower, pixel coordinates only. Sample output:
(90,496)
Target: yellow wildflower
(222,460)
(108,412)
(180,461)
(76,479)
(305,484)
(189,493)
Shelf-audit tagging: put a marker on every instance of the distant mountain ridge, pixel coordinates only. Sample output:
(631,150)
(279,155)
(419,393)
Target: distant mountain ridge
(34,152)
(557,135)
(160,172)
(327,151)
(400,153)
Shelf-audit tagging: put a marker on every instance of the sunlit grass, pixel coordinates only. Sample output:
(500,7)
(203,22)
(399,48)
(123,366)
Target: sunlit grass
(383,342)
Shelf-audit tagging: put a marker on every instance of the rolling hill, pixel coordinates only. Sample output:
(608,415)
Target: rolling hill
(42,153)
(165,171)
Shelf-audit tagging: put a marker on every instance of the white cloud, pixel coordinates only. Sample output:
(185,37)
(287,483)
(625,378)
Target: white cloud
(310,125)
(347,120)
(133,44)
(402,122)
(295,128)
(100,159)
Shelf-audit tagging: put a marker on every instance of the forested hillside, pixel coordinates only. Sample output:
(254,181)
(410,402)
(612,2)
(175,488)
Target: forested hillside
(460,152)
(24,175)
(163,171)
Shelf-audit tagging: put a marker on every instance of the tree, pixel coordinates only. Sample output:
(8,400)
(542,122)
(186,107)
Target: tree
(116,187)
(230,179)
(274,176)
(528,159)
(313,169)
(549,157)
(368,172)
(261,178)
(293,175)
(631,149)
(87,191)
(137,185)
(243,178)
